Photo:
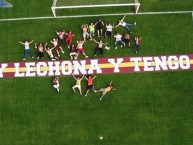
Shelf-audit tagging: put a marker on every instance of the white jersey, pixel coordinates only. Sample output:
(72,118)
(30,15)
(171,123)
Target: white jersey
(122,23)
(26,44)
(109,28)
(55,43)
(118,37)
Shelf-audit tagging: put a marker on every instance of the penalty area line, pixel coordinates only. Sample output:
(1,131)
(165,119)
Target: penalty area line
(97,15)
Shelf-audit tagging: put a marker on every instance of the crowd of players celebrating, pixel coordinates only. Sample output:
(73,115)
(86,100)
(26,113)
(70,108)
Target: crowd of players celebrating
(88,32)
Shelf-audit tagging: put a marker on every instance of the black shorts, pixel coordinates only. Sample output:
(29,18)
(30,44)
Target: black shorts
(126,40)
(40,54)
(90,87)
(99,26)
(109,33)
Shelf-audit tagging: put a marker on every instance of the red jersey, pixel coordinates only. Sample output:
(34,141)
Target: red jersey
(90,81)
(70,35)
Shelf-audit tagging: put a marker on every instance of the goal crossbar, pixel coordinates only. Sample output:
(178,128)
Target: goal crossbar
(54,7)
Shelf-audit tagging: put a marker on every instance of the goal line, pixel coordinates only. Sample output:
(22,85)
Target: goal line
(98,15)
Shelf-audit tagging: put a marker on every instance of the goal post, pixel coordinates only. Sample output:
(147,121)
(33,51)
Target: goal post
(73,4)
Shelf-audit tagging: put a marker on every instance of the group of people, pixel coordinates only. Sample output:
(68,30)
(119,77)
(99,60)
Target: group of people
(90,85)
(66,39)
(88,31)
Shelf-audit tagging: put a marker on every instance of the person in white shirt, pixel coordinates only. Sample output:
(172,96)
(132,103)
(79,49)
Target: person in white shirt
(27,49)
(56,83)
(109,30)
(49,51)
(118,39)
(125,24)
(57,46)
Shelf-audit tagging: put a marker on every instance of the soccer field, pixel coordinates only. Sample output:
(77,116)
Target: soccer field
(149,108)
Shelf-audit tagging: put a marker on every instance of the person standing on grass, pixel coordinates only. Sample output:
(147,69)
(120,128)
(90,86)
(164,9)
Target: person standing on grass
(27,49)
(80,49)
(57,46)
(99,47)
(118,39)
(78,84)
(90,85)
(99,27)
(40,49)
(69,37)
(105,90)
(61,37)
(125,24)
(56,83)
(137,44)
(85,33)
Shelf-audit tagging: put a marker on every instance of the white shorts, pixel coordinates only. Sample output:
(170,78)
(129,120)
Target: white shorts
(56,86)
(73,53)
(77,86)
(85,34)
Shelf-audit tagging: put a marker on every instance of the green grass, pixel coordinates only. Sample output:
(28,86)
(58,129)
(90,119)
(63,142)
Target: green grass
(146,109)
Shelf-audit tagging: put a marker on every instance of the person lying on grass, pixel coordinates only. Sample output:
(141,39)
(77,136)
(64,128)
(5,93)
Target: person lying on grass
(105,90)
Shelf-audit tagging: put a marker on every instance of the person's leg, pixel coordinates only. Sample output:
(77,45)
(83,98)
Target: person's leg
(58,53)
(103,94)
(25,54)
(84,54)
(123,43)
(101,31)
(58,89)
(30,53)
(84,36)
(95,52)
(61,49)
(86,92)
(90,35)
(73,88)
(63,42)
(106,34)
(116,44)
(98,32)
(79,88)
(127,27)
(101,52)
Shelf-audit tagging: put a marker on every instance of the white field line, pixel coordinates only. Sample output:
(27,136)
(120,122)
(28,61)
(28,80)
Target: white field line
(98,15)
(192,16)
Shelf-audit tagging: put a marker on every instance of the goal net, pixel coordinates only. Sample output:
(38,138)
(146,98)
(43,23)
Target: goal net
(72,4)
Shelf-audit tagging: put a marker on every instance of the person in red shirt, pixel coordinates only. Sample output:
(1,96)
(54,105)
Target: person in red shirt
(69,38)
(90,85)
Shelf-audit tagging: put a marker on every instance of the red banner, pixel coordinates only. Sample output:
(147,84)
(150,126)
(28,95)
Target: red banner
(97,66)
